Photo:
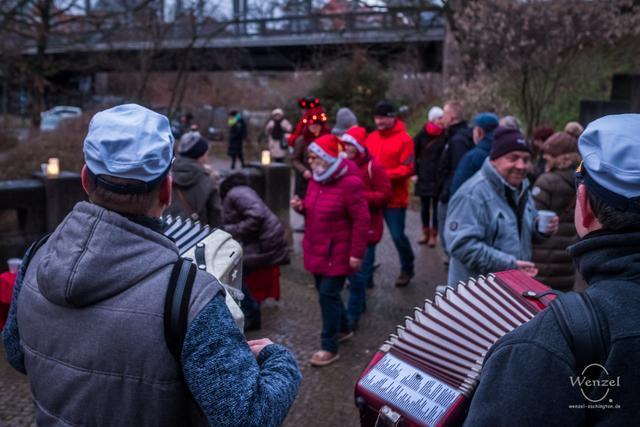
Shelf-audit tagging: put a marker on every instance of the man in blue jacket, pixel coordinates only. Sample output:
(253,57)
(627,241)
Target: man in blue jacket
(484,125)
(529,376)
(86,322)
(492,218)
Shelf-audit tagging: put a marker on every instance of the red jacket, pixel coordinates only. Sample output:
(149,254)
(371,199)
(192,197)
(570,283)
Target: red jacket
(7,280)
(377,191)
(393,148)
(336,223)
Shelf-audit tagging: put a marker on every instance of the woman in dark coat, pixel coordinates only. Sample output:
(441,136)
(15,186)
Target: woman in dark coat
(237,134)
(250,221)
(555,191)
(429,143)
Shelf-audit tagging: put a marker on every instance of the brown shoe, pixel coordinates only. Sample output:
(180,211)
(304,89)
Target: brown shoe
(433,237)
(426,236)
(323,358)
(345,336)
(404,279)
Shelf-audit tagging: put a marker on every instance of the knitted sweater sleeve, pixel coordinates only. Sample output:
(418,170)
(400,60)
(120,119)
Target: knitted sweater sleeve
(230,385)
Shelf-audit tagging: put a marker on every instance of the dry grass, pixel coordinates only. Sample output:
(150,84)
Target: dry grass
(24,159)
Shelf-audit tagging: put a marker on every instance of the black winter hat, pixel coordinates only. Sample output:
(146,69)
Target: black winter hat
(507,140)
(384,108)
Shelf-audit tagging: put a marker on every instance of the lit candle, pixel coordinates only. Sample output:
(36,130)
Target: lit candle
(53,167)
(266,157)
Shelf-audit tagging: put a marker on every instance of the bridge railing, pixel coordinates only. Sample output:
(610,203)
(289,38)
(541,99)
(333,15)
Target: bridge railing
(396,20)
(400,20)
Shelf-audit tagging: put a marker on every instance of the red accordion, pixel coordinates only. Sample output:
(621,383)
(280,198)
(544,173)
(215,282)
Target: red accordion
(427,370)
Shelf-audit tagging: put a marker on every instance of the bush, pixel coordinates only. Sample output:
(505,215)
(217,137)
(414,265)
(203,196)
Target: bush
(357,83)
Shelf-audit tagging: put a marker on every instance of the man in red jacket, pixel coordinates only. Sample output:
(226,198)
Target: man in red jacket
(377,191)
(392,146)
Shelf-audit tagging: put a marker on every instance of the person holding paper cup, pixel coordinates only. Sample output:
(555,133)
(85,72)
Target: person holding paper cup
(554,193)
(492,220)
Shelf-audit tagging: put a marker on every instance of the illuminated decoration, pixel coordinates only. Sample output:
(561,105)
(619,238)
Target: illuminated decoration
(308,103)
(265,159)
(53,167)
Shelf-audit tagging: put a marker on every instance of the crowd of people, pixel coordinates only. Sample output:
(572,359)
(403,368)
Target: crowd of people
(491,198)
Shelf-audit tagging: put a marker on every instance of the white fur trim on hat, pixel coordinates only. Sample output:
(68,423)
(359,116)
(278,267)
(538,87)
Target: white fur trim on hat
(318,151)
(349,139)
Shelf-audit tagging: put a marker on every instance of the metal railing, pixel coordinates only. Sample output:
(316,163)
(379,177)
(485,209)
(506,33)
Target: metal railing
(361,23)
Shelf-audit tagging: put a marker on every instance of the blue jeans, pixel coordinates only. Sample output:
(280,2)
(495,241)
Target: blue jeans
(395,219)
(358,284)
(442,217)
(334,315)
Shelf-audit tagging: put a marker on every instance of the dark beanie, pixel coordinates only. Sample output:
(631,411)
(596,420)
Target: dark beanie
(507,140)
(384,108)
(197,150)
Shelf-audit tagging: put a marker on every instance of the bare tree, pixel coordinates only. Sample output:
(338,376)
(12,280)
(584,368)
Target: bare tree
(30,28)
(531,46)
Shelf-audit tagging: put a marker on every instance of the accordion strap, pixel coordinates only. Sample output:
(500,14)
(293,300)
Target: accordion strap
(176,305)
(582,328)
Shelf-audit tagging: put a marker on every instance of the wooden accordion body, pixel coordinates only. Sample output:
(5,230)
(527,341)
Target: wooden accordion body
(426,372)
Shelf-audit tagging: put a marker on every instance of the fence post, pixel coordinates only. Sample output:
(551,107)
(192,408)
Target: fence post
(61,194)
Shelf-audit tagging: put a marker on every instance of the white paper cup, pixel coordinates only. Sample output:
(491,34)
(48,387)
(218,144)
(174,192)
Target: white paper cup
(43,168)
(14,264)
(544,217)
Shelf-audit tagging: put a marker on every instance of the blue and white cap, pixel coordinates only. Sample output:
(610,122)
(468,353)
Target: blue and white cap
(131,142)
(610,149)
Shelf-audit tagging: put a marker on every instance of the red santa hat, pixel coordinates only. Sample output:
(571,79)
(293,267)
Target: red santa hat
(326,147)
(355,136)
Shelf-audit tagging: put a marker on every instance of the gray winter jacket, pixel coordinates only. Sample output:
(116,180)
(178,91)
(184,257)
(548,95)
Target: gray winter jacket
(482,230)
(195,193)
(87,326)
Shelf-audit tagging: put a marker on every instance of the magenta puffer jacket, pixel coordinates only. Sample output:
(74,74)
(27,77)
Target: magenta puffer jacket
(336,222)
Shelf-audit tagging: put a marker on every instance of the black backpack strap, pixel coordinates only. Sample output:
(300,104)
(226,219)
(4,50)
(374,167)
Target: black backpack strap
(31,251)
(582,328)
(176,305)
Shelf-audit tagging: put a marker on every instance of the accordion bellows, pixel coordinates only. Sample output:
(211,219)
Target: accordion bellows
(426,371)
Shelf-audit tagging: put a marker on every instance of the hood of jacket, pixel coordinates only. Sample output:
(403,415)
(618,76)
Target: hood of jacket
(397,127)
(607,255)
(96,254)
(186,172)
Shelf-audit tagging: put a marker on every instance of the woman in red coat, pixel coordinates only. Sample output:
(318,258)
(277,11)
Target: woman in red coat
(335,237)
(377,192)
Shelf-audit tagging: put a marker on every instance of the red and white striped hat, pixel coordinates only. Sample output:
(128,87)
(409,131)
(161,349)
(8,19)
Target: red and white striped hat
(355,136)
(326,147)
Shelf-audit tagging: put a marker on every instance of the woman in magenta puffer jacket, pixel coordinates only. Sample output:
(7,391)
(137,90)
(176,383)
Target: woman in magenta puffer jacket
(335,237)
(377,192)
